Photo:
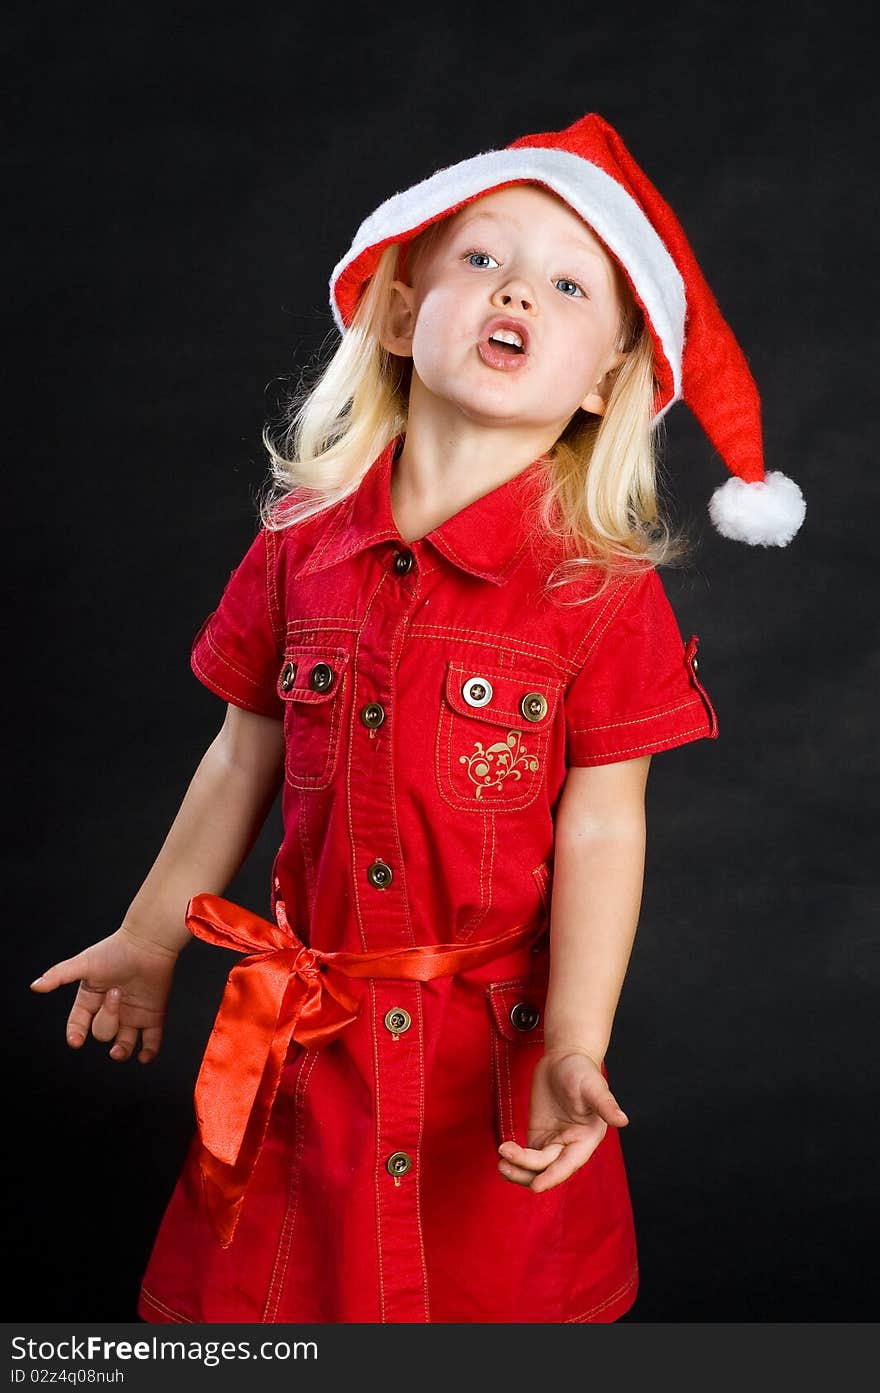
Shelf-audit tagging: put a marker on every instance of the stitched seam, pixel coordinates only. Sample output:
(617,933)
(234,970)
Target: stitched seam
(352,839)
(627,590)
(342,521)
(399,641)
(306,849)
(523,980)
(492,850)
(419,1146)
(154,1301)
(661,741)
(495,1086)
(271,545)
(495,640)
(360,544)
(334,622)
(489,572)
(210,642)
(486,874)
(235,697)
(318,650)
(637,720)
(477,919)
(609,1300)
(504,1049)
(378,1133)
(285,1241)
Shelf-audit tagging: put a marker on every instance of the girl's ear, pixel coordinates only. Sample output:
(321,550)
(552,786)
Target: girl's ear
(400,320)
(596,400)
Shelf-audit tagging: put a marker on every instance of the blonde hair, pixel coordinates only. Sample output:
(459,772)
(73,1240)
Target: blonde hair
(599,482)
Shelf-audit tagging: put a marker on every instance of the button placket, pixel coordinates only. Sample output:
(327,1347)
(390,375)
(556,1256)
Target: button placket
(383,917)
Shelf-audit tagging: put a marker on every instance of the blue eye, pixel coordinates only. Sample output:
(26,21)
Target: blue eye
(469,256)
(563,281)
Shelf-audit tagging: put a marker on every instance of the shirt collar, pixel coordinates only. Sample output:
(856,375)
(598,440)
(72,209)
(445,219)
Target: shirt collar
(486,538)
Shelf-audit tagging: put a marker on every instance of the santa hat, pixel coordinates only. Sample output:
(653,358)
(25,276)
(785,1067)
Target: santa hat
(696,356)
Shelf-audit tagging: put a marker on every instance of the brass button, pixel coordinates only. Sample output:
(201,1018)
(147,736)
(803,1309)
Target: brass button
(694,663)
(380,874)
(398,1163)
(288,676)
(373,714)
(524,1016)
(397,1020)
(534,706)
(403,562)
(321,677)
(477,691)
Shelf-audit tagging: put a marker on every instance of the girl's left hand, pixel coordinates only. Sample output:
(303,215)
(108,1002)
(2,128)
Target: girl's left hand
(570,1110)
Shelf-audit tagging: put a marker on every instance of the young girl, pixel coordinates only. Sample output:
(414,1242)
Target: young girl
(449,645)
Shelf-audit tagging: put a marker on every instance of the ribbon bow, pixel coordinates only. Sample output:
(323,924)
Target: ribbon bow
(284,991)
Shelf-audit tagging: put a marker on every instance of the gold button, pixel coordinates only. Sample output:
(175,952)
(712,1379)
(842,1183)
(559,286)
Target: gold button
(288,676)
(524,1016)
(534,706)
(380,874)
(398,1163)
(477,691)
(321,677)
(397,1020)
(372,715)
(694,664)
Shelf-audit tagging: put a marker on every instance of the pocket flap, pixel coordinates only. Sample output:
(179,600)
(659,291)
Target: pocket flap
(504,697)
(311,673)
(692,664)
(517,1008)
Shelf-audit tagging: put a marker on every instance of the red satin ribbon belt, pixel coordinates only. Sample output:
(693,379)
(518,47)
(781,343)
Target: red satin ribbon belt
(284,991)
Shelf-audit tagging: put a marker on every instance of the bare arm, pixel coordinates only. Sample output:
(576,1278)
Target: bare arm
(599,864)
(215,828)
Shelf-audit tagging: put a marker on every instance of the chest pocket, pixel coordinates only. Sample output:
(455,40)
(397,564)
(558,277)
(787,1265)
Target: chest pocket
(492,736)
(312,683)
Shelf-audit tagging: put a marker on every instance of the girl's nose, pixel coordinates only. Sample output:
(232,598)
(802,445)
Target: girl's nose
(516,292)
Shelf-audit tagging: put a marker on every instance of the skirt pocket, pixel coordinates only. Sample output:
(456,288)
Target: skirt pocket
(516,1025)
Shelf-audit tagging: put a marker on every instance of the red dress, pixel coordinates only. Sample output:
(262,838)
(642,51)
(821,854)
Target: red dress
(432,701)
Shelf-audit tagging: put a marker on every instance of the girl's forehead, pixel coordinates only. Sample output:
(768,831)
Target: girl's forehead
(524,205)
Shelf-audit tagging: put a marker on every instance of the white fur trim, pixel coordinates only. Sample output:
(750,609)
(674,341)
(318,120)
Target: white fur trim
(595,195)
(764,514)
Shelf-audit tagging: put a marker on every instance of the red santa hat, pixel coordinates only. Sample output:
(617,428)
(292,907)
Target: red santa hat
(696,356)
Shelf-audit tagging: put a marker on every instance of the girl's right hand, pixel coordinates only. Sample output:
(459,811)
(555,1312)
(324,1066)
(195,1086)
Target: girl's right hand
(124,982)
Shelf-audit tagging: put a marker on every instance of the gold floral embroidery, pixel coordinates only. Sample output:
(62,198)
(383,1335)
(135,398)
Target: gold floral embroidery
(489,766)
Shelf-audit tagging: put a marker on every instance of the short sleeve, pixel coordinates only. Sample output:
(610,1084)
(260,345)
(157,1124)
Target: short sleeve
(236,651)
(637,690)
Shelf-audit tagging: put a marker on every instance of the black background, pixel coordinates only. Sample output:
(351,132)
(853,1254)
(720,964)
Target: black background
(182,181)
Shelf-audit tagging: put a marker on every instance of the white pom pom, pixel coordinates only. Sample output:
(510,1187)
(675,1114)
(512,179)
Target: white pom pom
(764,514)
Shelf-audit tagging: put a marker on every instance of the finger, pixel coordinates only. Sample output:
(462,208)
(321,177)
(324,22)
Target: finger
(88,1001)
(69,970)
(151,1041)
(608,1108)
(529,1158)
(573,1157)
(517,1174)
(106,1023)
(125,1042)
(592,1095)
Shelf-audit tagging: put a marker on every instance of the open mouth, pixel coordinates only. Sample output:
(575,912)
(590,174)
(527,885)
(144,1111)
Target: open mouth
(507,342)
